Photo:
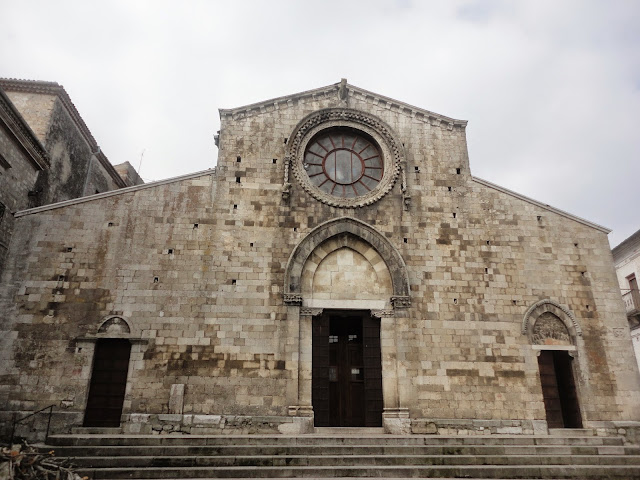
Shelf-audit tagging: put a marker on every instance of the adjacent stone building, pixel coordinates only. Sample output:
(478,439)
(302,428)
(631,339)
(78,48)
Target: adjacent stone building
(339,267)
(626,258)
(47,153)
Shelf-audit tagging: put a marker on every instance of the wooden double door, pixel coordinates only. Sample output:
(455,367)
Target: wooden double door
(346,370)
(559,389)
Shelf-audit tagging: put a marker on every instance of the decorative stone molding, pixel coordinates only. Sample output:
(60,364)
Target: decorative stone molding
(401,301)
(311,311)
(362,95)
(560,311)
(382,313)
(548,329)
(300,411)
(390,147)
(286,192)
(619,332)
(292,299)
(339,226)
(112,327)
(115,325)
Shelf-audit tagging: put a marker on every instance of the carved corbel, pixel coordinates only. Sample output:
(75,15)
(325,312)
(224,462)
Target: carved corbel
(401,301)
(292,299)
(382,313)
(286,192)
(313,312)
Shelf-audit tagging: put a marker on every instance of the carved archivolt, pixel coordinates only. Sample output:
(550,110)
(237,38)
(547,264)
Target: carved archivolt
(548,329)
(390,147)
(334,229)
(548,322)
(117,326)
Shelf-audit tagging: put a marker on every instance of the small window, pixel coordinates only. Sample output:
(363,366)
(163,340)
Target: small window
(274,161)
(3,163)
(457,171)
(237,179)
(238,159)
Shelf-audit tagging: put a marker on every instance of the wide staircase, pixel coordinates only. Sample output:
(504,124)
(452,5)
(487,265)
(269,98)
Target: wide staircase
(567,455)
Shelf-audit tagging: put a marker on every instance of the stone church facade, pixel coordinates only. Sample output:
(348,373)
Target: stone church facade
(339,267)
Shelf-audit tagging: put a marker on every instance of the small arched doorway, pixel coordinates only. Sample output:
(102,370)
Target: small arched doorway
(552,331)
(108,382)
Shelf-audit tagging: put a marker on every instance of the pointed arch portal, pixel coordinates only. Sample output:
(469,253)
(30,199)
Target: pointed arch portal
(345,285)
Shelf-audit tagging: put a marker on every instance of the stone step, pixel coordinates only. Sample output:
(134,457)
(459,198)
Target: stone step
(96,431)
(490,471)
(328,440)
(243,450)
(572,432)
(365,461)
(348,431)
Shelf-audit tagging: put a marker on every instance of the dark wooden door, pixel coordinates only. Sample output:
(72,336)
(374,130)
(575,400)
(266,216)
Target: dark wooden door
(320,371)
(108,383)
(347,370)
(567,390)
(559,390)
(372,372)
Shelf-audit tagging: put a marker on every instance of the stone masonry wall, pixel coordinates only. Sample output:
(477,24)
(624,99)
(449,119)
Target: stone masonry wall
(15,183)
(75,171)
(206,300)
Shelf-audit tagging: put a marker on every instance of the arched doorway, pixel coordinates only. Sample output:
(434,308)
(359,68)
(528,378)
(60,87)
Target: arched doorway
(108,383)
(552,331)
(346,282)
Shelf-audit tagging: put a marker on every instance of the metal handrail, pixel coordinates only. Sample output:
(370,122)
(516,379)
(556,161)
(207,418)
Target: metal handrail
(17,421)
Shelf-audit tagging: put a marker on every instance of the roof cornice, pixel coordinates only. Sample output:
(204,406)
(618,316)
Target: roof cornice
(374,98)
(113,193)
(26,138)
(54,88)
(541,205)
(627,247)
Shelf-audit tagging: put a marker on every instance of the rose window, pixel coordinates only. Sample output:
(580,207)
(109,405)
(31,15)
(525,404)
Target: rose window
(343,164)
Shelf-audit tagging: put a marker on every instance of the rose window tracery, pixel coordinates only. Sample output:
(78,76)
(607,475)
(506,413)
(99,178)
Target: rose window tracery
(343,163)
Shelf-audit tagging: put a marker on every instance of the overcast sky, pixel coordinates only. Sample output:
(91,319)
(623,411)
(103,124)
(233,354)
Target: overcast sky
(551,89)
